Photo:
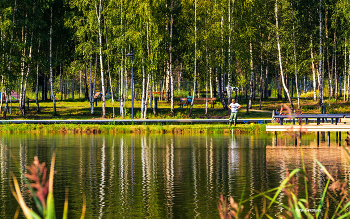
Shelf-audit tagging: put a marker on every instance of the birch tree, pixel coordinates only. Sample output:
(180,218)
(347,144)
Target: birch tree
(320,66)
(98,9)
(280,56)
(51,76)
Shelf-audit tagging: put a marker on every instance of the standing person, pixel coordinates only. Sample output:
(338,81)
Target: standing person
(234,107)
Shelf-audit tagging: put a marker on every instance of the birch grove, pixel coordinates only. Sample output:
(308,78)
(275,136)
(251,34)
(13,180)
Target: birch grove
(225,49)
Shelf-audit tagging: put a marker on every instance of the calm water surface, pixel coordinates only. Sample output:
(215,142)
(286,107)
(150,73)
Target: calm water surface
(162,176)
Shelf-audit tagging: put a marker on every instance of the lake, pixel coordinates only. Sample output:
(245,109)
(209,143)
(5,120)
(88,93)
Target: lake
(163,176)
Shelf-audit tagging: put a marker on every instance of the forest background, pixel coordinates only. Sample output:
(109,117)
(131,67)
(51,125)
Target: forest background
(120,47)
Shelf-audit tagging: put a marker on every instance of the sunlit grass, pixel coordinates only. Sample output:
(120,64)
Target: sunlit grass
(80,109)
(120,128)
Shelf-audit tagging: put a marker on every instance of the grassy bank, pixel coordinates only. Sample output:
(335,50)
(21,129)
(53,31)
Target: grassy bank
(80,109)
(114,129)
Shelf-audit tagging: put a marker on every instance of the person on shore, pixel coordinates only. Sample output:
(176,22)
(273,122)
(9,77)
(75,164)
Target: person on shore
(189,99)
(234,107)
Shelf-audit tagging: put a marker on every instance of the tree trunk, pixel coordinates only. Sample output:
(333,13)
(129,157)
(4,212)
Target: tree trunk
(334,66)
(24,39)
(146,95)
(98,15)
(195,56)
(330,86)
(154,98)
(51,78)
(121,88)
(266,80)
(73,88)
(110,78)
(313,70)
(261,81)
(61,85)
(295,60)
(206,72)
(320,66)
(229,76)
(171,60)
(93,87)
(85,84)
(280,57)
(65,84)
(143,98)
(6,103)
(251,83)
(348,75)
(37,83)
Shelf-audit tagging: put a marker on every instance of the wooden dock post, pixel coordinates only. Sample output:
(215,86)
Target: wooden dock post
(329,139)
(347,138)
(323,137)
(318,139)
(336,137)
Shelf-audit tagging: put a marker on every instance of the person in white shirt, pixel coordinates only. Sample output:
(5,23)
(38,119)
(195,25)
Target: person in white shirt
(234,107)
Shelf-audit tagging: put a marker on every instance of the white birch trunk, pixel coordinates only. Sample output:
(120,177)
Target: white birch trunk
(121,87)
(20,101)
(171,60)
(251,75)
(320,65)
(313,70)
(195,56)
(94,87)
(143,98)
(146,95)
(280,57)
(37,83)
(348,74)
(51,78)
(98,15)
(110,79)
(210,83)
(295,61)
(229,55)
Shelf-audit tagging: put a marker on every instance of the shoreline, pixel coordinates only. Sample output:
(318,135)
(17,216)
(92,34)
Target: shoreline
(65,128)
(133,121)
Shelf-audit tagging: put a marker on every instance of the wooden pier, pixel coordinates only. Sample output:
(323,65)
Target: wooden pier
(320,129)
(309,128)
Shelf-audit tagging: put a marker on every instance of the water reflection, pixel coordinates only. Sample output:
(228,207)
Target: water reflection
(163,176)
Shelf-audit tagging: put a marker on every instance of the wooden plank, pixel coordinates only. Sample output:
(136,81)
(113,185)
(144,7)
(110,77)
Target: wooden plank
(310,128)
(304,116)
(345,120)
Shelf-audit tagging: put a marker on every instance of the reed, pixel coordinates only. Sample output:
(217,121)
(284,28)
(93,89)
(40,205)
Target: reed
(41,189)
(295,206)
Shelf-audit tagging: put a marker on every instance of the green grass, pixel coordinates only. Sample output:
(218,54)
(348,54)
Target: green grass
(80,109)
(113,129)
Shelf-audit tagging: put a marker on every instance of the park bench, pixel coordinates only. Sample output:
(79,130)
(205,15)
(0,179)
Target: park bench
(211,101)
(157,92)
(204,92)
(333,117)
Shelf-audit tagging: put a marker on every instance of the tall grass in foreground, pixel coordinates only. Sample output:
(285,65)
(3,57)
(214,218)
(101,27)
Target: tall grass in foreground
(42,192)
(296,206)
